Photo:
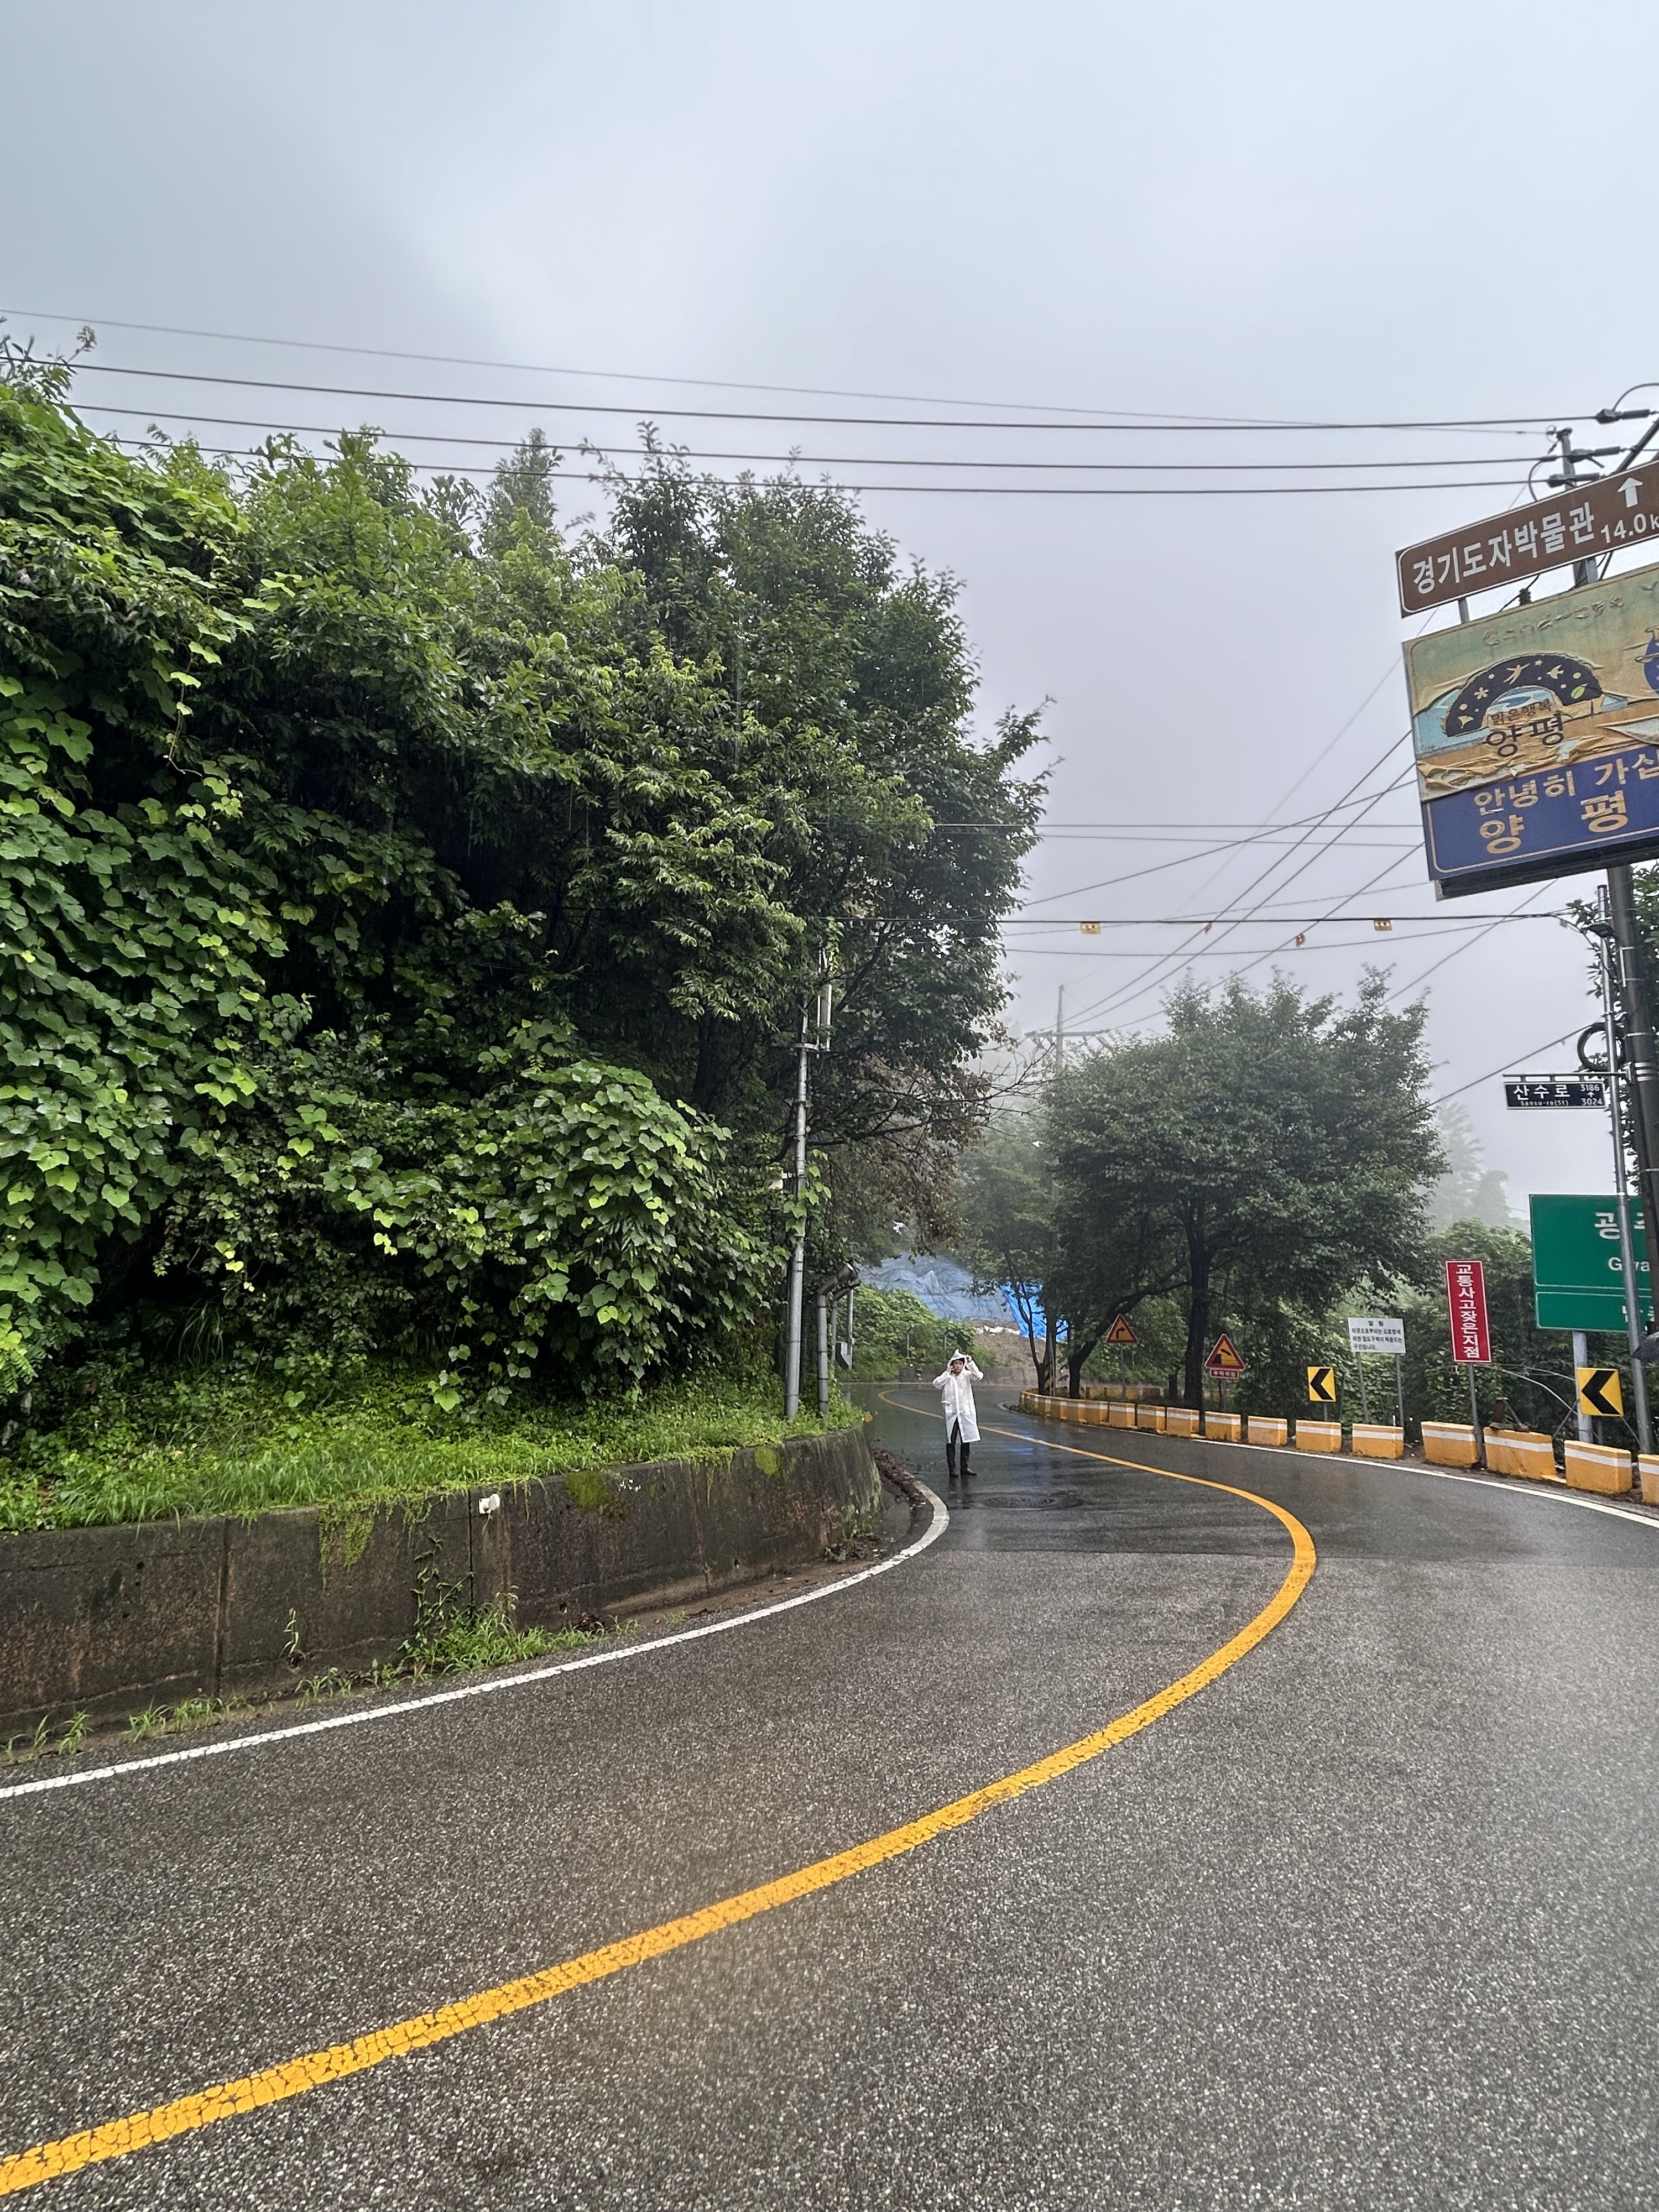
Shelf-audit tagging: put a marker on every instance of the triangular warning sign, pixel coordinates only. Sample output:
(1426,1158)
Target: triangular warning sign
(1224,1357)
(1120,1333)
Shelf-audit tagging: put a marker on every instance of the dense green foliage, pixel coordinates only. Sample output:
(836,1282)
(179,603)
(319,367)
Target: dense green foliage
(406,912)
(894,1330)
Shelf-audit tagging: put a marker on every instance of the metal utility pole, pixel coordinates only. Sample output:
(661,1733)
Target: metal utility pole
(797,1257)
(1634,1000)
(1634,1320)
(814,1037)
(1581,1358)
(823,1351)
(1636,1007)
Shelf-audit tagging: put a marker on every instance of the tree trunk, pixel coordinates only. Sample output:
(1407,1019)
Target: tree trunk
(1038,1361)
(1074,1370)
(1198,1321)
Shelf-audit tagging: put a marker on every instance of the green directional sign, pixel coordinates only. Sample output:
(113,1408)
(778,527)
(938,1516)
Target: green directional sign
(1577,1276)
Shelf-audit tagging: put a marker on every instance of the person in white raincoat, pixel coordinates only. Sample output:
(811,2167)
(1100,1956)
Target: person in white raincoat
(955,1387)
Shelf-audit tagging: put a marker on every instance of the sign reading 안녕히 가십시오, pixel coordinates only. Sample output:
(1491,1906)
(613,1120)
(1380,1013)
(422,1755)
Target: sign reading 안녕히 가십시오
(1536,736)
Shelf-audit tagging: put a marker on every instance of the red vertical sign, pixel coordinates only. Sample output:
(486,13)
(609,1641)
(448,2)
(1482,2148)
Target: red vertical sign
(1466,1294)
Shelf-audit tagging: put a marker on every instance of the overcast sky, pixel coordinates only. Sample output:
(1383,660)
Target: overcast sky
(1301,212)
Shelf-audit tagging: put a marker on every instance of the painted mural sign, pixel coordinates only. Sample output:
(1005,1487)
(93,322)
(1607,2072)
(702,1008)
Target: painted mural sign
(1536,733)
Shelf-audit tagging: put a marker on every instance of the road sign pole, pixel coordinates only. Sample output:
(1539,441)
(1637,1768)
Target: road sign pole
(1630,1281)
(1400,1391)
(1581,1358)
(1475,1421)
(1633,987)
(1364,1403)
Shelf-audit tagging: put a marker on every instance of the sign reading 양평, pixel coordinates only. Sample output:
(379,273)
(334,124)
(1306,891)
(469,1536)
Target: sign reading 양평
(1536,732)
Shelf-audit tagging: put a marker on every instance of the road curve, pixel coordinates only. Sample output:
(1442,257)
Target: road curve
(1364,1917)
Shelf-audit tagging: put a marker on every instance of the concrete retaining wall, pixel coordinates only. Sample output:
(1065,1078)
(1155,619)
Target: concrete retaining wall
(112,1620)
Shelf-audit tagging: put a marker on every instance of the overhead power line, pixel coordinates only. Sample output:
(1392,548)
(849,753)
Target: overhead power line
(969,490)
(1160,416)
(1531,422)
(814,461)
(1505,1066)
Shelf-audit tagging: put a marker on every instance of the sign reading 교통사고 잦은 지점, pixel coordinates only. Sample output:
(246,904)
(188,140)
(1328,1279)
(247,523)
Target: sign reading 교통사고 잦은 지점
(1466,1294)
(1536,736)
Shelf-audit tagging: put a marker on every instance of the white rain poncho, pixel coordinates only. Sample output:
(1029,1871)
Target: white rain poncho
(958,1392)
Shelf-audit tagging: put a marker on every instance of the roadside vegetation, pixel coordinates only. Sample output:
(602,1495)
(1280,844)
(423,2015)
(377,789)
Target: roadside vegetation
(240,1440)
(893,1330)
(408,907)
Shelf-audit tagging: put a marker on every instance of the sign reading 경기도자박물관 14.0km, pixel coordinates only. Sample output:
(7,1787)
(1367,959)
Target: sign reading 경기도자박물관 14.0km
(1603,514)
(1577,1275)
(1536,736)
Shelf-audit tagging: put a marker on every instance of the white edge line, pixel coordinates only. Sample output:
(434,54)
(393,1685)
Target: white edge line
(935,1529)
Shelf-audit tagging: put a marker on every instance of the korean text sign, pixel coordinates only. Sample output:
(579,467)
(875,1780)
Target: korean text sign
(1508,549)
(1536,733)
(1466,1294)
(1386,1334)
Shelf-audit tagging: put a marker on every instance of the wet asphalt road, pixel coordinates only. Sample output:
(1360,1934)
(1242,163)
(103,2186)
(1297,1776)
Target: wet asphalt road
(1373,1920)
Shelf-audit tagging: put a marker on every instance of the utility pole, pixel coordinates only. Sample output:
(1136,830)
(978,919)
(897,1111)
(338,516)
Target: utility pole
(797,1257)
(1633,1321)
(814,1037)
(1634,999)
(1050,1331)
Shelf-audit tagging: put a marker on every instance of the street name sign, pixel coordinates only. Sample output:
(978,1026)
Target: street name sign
(1600,1392)
(1225,1359)
(1321,1386)
(1552,1092)
(1508,549)
(1577,1275)
(1120,1333)
(1385,1334)
(1466,1294)
(1535,731)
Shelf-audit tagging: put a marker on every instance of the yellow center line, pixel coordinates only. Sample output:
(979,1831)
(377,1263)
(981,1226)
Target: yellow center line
(272,2085)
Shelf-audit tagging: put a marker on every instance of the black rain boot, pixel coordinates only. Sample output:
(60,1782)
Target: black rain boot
(966,1470)
(951,1452)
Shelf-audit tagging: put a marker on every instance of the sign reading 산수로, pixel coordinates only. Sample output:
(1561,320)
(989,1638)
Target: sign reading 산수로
(1386,1334)
(1552,1092)
(1466,1294)
(1577,1273)
(1536,732)
(1508,548)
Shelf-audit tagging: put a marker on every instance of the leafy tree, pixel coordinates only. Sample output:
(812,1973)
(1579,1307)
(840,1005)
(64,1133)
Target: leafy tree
(1279,1143)
(402,930)
(1468,1190)
(847,683)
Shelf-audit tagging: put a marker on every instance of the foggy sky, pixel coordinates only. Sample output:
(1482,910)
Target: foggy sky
(1283,211)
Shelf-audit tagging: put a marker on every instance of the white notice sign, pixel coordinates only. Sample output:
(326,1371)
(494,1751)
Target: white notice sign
(1376,1335)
